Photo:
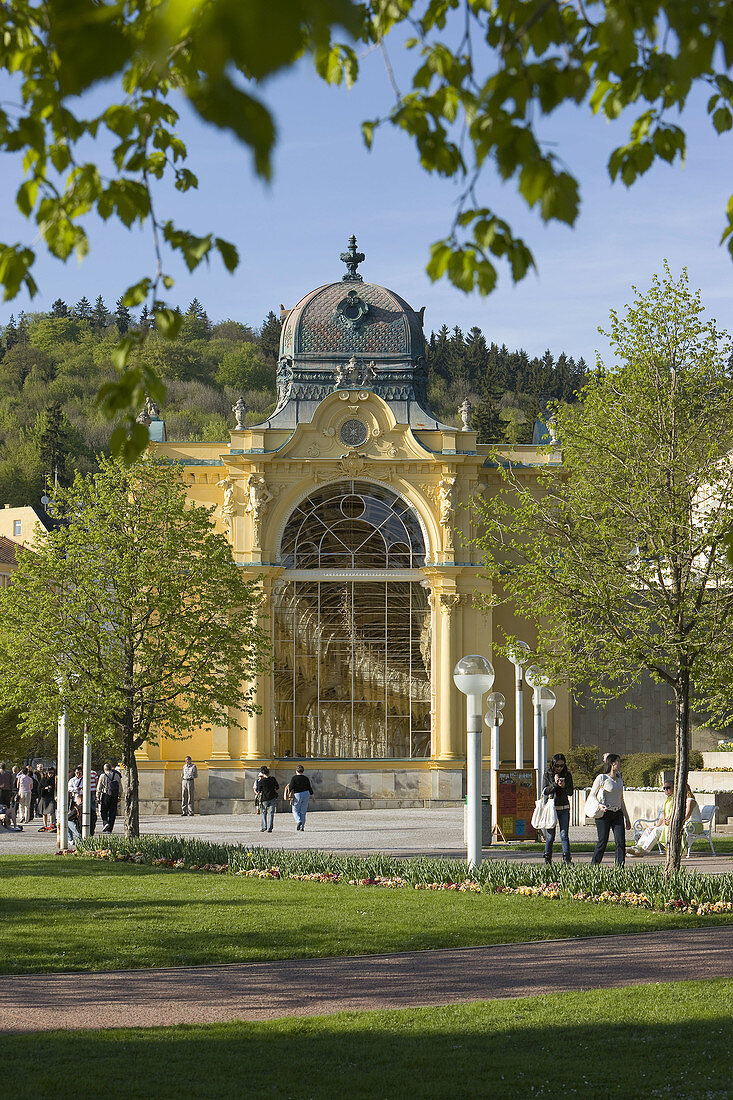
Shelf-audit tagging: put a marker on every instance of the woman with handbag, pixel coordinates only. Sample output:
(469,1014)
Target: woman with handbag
(558,785)
(608,791)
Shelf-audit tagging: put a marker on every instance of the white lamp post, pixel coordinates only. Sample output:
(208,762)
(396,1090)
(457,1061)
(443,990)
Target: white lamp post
(86,763)
(494,719)
(547,702)
(62,781)
(518,655)
(474,676)
(536,679)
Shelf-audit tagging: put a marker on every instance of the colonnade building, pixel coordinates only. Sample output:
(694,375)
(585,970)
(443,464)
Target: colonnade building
(352,505)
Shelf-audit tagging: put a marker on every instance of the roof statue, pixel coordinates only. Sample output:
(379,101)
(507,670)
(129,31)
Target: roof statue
(352,259)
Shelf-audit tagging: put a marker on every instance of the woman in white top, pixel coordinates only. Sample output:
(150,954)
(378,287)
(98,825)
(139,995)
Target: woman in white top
(608,788)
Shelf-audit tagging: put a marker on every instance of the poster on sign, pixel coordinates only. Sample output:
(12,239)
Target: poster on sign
(515,803)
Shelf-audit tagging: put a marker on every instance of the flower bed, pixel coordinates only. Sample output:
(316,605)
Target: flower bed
(638,886)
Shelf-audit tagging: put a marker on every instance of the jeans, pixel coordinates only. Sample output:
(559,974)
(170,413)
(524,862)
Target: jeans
(300,807)
(268,812)
(612,819)
(73,833)
(563,820)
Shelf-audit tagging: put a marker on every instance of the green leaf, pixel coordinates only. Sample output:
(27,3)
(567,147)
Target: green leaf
(228,253)
(722,119)
(220,102)
(168,322)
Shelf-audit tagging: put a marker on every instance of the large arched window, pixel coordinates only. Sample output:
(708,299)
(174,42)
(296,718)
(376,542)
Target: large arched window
(352,652)
(353,525)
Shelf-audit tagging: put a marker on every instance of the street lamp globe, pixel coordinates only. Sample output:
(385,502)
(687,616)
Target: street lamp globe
(518,653)
(495,719)
(547,699)
(474,675)
(535,677)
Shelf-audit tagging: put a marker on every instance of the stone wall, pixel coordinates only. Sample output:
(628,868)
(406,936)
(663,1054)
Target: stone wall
(648,727)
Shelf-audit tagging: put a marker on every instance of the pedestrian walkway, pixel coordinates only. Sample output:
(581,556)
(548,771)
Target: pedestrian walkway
(408,832)
(317,987)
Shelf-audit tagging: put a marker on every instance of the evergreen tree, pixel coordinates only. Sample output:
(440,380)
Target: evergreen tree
(10,335)
(100,315)
(145,317)
(83,309)
(438,354)
(486,422)
(22,328)
(59,308)
(476,355)
(53,444)
(122,317)
(196,324)
(269,337)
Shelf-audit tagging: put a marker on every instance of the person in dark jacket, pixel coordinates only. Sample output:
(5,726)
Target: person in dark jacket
(558,785)
(266,786)
(299,792)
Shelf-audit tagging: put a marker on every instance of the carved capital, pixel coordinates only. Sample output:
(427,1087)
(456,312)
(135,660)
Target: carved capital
(449,601)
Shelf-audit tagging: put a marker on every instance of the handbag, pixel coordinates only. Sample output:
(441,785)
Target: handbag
(593,808)
(548,816)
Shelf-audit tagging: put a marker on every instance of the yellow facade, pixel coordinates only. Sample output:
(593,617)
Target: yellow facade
(431,472)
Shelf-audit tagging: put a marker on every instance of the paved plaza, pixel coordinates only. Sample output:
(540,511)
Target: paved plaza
(355,832)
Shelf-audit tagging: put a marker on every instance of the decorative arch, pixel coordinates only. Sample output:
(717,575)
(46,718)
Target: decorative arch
(353,525)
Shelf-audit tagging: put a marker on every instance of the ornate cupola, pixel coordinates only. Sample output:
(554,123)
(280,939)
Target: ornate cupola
(352,335)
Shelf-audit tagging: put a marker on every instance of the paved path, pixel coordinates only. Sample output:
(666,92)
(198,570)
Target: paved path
(396,832)
(315,987)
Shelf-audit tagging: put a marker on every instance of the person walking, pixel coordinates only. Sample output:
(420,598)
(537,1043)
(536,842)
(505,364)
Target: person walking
(608,789)
(266,786)
(24,784)
(108,794)
(76,783)
(558,785)
(47,801)
(6,785)
(299,792)
(188,774)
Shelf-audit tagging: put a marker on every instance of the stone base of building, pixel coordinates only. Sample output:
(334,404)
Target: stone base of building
(228,790)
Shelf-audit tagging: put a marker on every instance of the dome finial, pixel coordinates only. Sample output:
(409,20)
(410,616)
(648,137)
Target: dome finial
(352,259)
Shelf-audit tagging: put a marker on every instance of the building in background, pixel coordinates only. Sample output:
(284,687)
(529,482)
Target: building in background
(352,505)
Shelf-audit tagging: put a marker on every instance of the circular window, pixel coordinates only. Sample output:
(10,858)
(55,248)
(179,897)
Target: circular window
(353,507)
(353,433)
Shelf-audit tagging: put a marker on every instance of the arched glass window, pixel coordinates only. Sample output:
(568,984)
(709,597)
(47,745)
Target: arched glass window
(353,525)
(352,656)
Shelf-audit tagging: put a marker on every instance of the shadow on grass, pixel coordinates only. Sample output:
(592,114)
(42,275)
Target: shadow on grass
(592,1045)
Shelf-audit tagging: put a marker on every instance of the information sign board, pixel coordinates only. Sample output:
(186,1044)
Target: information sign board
(515,799)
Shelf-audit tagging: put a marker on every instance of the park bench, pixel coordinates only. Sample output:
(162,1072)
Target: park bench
(689,836)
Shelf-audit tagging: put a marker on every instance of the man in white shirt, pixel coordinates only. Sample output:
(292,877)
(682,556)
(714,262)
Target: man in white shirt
(188,775)
(76,783)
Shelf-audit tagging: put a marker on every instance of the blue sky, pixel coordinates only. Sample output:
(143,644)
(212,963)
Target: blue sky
(327,186)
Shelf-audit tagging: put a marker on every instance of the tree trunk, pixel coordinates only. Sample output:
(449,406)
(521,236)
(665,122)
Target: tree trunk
(130,787)
(681,768)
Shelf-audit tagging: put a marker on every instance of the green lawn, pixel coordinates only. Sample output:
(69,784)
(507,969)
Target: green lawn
(640,1043)
(74,914)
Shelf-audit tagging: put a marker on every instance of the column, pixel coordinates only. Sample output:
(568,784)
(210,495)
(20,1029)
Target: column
(450,735)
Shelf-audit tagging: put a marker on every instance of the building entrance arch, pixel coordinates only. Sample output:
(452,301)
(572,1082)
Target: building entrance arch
(352,628)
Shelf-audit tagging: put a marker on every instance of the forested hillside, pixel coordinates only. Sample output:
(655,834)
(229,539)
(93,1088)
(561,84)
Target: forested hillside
(54,363)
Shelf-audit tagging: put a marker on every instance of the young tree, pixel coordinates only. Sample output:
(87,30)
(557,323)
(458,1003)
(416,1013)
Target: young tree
(620,556)
(132,614)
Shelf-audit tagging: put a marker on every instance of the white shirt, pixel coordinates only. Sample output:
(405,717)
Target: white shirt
(609,791)
(190,771)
